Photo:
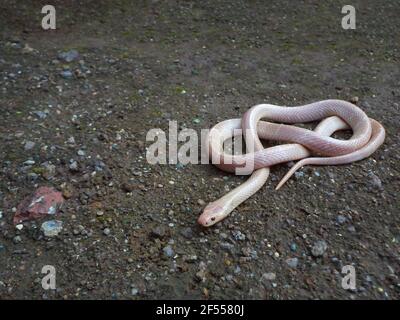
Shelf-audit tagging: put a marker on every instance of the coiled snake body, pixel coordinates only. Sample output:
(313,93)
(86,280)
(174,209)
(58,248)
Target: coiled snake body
(368,135)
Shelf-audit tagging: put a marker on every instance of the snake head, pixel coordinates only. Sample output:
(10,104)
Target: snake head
(212,214)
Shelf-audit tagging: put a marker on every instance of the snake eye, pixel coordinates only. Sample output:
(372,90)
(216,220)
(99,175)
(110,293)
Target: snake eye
(213,219)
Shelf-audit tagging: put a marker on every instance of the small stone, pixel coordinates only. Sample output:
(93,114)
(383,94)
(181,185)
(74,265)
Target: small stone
(66,74)
(29,162)
(27,48)
(374,182)
(319,248)
(106,231)
(223,235)
(68,56)
(341,219)
(337,263)
(134,291)
(29,145)
(299,174)
(67,190)
(19,226)
(238,235)
(196,120)
(49,170)
(354,99)
(40,114)
(81,153)
(74,166)
(290,164)
(292,262)
(71,140)
(168,251)
(128,187)
(351,229)
(270,276)
(293,247)
(201,202)
(187,233)
(159,232)
(17,239)
(201,275)
(191,258)
(51,228)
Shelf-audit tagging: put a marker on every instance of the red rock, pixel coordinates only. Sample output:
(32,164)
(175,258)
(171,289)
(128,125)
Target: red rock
(43,202)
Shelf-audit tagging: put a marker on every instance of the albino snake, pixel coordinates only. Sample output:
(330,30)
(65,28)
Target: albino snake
(368,135)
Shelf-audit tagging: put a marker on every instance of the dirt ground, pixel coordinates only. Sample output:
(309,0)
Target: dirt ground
(129,228)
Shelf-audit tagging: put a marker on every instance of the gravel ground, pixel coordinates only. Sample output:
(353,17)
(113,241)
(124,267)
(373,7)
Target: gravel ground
(129,228)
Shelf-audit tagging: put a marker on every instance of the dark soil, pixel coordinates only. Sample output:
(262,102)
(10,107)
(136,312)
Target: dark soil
(143,63)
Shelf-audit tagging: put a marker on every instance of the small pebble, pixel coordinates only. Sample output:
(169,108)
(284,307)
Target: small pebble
(68,56)
(29,145)
(71,140)
(319,248)
(375,182)
(187,233)
(269,276)
(292,262)
(159,232)
(299,174)
(134,291)
(17,239)
(354,99)
(351,229)
(73,166)
(238,235)
(106,231)
(341,219)
(168,251)
(29,162)
(66,74)
(51,228)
